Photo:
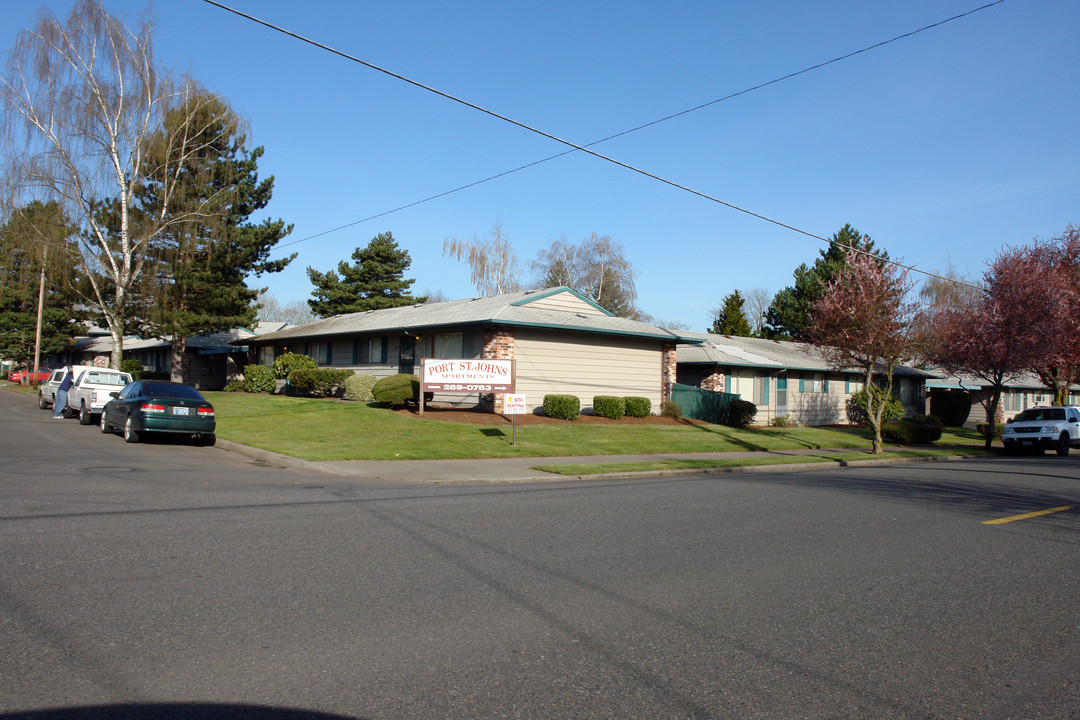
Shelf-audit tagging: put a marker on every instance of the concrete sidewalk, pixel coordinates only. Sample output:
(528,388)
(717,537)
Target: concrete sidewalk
(501,470)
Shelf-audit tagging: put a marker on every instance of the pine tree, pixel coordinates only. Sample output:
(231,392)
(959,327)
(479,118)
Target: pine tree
(789,314)
(731,318)
(200,264)
(374,281)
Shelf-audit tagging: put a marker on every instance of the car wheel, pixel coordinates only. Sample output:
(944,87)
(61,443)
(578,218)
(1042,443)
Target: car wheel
(1063,444)
(206,440)
(67,412)
(41,402)
(104,424)
(130,434)
(85,418)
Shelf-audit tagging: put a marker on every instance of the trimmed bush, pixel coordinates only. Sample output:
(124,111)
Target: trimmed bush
(286,363)
(856,407)
(235,386)
(982,428)
(638,407)
(133,367)
(671,409)
(562,407)
(320,382)
(258,379)
(397,390)
(915,430)
(608,406)
(952,406)
(781,421)
(358,387)
(743,413)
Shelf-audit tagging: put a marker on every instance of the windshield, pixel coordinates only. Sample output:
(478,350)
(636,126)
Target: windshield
(1041,415)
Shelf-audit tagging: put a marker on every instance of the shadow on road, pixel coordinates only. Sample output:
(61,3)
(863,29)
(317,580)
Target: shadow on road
(173,711)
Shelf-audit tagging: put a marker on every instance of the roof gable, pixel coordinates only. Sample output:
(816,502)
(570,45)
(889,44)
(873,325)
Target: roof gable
(562,299)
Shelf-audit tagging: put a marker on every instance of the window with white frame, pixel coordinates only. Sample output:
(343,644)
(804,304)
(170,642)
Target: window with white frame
(447,345)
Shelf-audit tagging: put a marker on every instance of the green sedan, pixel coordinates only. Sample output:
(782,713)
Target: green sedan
(156,406)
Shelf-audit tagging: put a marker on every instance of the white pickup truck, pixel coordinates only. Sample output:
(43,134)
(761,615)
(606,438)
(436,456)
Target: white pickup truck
(88,395)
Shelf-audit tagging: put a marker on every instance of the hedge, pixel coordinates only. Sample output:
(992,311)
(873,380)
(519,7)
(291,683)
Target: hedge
(915,430)
(856,407)
(638,407)
(358,387)
(952,406)
(562,407)
(397,390)
(321,382)
(743,413)
(671,409)
(286,363)
(609,406)
(257,379)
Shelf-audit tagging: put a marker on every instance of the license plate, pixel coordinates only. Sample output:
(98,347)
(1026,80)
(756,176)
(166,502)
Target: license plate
(1023,442)
(180,411)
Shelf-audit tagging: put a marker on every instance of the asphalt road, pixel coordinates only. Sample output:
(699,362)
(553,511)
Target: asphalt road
(167,580)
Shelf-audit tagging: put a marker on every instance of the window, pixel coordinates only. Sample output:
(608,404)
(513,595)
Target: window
(447,345)
(369,350)
(761,390)
(781,394)
(729,386)
(825,385)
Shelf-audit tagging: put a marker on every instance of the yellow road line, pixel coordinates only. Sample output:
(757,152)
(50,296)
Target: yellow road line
(1025,516)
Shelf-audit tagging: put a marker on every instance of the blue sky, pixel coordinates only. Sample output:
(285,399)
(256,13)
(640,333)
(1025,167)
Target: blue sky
(944,147)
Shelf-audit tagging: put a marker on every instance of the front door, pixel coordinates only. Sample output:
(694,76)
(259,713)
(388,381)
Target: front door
(406,354)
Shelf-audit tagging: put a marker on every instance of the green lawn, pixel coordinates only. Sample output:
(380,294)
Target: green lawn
(334,430)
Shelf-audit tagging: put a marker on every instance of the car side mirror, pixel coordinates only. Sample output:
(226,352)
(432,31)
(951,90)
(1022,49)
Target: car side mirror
(114,394)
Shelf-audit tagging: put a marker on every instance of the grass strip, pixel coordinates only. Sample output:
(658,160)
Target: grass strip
(706,464)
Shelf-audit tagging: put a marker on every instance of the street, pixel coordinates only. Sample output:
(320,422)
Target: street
(166,576)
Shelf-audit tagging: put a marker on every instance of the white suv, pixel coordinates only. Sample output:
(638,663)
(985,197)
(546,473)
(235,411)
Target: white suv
(1042,428)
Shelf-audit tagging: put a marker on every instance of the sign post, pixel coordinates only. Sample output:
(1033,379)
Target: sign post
(514,405)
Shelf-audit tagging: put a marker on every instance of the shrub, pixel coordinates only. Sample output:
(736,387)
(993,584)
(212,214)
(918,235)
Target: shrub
(915,430)
(856,407)
(743,413)
(149,375)
(133,367)
(286,363)
(983,427)
(952,406)
(397,390)
(781,421)
(235,386)
(321,382)
(358,387)
(671,409)
(258,379)
(609,406)
(562,407)
(638,407)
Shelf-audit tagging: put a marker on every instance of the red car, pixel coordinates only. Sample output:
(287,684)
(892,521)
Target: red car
(17,376)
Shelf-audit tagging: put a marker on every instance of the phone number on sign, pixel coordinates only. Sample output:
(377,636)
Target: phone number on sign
(470,388)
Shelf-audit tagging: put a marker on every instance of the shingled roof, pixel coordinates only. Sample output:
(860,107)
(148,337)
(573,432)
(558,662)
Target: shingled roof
(735,351)
(510,309)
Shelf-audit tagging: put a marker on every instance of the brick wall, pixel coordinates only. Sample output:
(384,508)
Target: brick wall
(667,370)
(498,345)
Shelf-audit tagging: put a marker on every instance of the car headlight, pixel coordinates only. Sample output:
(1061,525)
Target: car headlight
(1049,429)
(1007,431)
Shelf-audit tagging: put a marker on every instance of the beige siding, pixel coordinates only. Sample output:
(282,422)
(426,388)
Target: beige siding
(586,366)
(565,302)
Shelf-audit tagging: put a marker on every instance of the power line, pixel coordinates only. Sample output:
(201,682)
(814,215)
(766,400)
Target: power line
(586,148)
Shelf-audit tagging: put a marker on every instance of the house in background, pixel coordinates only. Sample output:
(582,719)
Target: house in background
(211,360)
(1022,392)
(785,378)
(561,342)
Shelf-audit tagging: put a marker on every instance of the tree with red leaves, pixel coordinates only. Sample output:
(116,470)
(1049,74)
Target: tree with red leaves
(1059,366)
(864,321)
(998,334)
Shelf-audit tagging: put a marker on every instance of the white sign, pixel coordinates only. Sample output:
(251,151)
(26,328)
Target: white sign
(514,405)
(468,376)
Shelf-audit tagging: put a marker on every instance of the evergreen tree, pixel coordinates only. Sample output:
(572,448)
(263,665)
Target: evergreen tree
(200,263)
(374,281)
(789,314)
(37,245)
(731,317)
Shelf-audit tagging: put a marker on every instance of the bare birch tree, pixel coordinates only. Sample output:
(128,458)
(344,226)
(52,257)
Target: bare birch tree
(84,98)
(493,262)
